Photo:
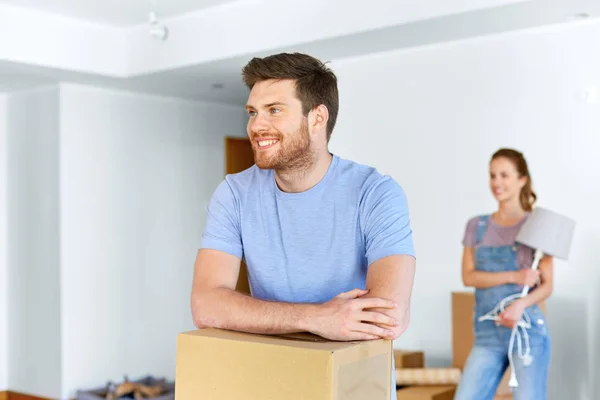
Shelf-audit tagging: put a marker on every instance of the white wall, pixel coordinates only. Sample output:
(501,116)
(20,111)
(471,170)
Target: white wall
(106,196)
(33,250)
(136,175)
(433,116)
(3,248)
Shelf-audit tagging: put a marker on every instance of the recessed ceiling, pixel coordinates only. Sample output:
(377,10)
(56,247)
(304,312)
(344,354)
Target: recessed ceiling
(117,12)
(187,68)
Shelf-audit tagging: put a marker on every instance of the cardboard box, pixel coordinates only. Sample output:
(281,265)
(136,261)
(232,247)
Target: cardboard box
(216,364)
(426,393)
(409,359)
(463,304)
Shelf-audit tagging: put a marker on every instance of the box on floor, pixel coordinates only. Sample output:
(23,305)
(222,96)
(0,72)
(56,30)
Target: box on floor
(215,364)
(409,359)
(426,393)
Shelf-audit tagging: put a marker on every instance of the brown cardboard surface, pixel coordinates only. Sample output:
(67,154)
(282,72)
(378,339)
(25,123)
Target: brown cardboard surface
(426,393)
(463,304)
(216,364)
(409,359)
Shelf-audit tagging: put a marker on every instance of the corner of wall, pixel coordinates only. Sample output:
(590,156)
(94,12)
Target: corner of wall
(4,384)
(31,206)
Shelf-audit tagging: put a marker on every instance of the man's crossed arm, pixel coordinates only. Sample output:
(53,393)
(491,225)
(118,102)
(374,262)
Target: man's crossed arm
(380,311)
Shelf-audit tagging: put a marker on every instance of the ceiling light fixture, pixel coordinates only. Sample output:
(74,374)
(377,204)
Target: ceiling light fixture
(157,30)
(577,16)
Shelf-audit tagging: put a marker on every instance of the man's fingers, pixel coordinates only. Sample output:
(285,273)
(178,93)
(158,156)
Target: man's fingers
(352,294)
(363,336)
(374,302)
(378,318)
(374,330)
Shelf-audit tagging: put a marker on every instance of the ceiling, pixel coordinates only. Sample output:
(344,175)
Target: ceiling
(117,12)
(209,48)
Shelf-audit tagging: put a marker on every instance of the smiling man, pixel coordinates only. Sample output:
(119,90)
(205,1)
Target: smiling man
(327,242)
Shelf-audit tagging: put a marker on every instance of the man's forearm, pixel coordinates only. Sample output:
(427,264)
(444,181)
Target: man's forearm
(227,309)
(392,278)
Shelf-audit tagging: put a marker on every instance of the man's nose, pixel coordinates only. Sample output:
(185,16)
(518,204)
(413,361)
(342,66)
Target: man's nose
(259,124)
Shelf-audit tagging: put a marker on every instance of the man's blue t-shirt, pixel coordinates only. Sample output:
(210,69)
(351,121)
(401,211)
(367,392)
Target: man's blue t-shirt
(309,247)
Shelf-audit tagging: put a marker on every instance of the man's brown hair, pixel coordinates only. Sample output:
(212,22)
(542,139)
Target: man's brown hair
(315,83)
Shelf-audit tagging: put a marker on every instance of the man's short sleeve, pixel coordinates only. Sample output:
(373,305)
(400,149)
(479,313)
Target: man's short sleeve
(222,230)
(386,222)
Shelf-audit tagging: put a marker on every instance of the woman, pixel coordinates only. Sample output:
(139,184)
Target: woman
(499,267)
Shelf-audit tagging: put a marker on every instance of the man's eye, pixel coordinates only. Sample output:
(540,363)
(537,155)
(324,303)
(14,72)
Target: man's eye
(251,113)
(275,110)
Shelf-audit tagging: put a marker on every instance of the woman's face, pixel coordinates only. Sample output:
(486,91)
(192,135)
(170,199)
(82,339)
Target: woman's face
(505,182)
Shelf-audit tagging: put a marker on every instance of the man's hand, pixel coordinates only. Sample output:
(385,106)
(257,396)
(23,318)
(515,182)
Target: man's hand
(347,317)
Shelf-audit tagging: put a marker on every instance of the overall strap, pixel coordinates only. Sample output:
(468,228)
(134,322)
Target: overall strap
(482,224)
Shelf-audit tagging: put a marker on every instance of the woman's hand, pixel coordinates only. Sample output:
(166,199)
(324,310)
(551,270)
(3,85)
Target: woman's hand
(512,314)
(527,277)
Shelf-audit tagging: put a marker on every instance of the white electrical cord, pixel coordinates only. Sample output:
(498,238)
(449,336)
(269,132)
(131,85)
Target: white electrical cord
(524,323)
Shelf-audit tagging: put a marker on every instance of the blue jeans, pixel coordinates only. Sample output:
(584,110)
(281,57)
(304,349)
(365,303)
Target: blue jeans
(486,366)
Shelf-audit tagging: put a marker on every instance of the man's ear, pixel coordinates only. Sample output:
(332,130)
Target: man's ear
(317,118)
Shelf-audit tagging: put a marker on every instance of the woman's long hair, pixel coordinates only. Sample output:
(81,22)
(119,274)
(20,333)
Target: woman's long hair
(527,196)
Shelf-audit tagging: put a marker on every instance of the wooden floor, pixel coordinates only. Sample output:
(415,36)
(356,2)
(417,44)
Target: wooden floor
(18,396)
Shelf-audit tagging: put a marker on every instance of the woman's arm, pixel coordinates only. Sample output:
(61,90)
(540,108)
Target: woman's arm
(544,289)
(514,311)
(481,279)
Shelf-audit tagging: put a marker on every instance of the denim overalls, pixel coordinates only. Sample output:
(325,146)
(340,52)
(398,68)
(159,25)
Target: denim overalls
(489,357)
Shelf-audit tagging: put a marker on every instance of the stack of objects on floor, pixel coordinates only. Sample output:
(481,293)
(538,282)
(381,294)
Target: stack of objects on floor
(144,388)
(416,382)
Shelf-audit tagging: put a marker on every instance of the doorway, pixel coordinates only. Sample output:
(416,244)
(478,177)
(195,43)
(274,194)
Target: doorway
(238,157)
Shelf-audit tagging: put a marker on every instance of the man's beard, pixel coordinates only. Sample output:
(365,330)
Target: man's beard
(294,153)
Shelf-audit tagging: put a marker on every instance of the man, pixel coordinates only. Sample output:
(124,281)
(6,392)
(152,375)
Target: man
(327,242)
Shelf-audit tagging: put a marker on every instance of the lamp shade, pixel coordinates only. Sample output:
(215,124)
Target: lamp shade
(548,232)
